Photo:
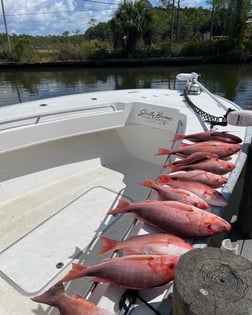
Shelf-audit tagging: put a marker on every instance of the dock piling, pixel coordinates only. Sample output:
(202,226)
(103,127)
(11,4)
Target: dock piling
(212,281)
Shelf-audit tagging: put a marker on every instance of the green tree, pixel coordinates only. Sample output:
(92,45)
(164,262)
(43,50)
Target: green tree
(102,31)
(217,6)
(228,17)
(238,10)
(132,22)
(160,29)
(194,22)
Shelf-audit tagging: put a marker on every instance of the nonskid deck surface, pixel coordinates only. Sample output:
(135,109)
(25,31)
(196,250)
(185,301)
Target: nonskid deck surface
(61,220)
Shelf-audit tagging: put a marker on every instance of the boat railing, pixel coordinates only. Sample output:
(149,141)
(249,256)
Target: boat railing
(42,117)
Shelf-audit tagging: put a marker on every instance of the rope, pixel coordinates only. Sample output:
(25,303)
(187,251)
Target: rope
(213,120)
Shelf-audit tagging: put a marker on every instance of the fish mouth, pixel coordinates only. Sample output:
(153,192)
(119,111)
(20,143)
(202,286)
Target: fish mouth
(218,226)
(224,227)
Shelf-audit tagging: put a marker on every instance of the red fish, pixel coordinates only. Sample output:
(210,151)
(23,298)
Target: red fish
(201,176)
(179,194)
(69,305)
(216,166)
(175,217)
(195,157)
(222,149)
(148,244)
(209,135)
(133,271)
(207,193)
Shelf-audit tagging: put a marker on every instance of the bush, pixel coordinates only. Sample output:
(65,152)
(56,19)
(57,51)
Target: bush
(22,51)
(69,51)
(96,49)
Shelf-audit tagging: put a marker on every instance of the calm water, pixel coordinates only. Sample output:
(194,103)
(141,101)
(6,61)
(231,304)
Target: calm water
(231,81)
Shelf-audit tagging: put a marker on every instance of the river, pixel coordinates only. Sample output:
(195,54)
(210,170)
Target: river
(231,81)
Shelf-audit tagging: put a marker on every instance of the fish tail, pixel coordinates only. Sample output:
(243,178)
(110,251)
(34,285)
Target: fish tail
(108,245)
(178,137)
(148,183)
(77,271)
(163,151)
(122,207)
(51,296)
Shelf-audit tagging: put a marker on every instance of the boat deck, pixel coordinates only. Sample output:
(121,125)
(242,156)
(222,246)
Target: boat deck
(50,188)
(107,169)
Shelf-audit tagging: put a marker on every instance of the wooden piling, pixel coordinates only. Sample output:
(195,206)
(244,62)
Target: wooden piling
(211,281)
(244,221)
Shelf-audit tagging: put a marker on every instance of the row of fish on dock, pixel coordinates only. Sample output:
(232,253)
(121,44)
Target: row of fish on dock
(185,193)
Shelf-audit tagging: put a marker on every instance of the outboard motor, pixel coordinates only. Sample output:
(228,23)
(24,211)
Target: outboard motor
(240,118)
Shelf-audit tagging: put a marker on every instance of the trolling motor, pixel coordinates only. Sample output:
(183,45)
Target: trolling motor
(240,118)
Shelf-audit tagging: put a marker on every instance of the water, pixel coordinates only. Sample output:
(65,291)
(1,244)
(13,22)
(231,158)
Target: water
(231,81)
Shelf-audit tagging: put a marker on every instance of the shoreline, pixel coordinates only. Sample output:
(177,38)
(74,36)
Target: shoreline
(122,62)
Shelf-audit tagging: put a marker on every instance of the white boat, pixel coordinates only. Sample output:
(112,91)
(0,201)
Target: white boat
(66,161)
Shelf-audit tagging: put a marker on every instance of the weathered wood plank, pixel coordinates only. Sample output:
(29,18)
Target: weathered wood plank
(211,281)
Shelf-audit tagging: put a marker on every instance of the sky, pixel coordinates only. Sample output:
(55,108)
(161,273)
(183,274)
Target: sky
(54,17)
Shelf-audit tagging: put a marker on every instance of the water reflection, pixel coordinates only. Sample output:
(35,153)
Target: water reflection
(231,81)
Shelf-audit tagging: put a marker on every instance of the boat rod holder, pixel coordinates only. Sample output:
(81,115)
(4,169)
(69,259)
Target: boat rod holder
(127,302)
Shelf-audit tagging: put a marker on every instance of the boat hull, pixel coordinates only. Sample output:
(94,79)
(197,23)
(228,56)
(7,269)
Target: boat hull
(65,162)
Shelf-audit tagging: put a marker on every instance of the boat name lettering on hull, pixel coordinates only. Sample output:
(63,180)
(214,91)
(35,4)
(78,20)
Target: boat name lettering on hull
(155,117)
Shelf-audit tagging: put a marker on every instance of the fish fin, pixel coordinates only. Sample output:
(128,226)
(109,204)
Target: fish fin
(51,296)
(138,217)
(191,210)
(178,137)
(175,168)
(77,271)
(122,207)
(184,145)
(163,151)
(108,245)
(78,296)
(164,179)
(97,279)
(148,183)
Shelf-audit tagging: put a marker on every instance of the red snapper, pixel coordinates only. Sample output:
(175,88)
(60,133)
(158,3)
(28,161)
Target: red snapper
(175,217)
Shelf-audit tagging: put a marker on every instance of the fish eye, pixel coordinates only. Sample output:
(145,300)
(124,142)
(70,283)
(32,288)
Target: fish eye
(171,266)
(209,226)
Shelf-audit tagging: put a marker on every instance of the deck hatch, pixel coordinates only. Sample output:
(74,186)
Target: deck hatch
(31,263)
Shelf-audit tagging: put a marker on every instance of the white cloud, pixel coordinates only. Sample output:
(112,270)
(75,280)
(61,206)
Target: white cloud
(53,17)
(46,17)
(194,3)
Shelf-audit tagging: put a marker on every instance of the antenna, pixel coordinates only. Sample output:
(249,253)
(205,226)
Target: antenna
(6,28)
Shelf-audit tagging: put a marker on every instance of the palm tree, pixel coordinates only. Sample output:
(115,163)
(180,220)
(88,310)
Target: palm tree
(131,23)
